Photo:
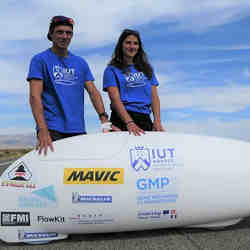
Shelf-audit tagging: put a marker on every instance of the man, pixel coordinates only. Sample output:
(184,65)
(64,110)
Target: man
(57,81)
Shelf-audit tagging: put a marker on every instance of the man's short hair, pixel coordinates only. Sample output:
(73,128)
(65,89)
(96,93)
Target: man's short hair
(59,20)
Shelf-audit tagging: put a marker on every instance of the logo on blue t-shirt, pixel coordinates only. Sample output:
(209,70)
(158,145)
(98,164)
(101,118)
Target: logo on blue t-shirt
(64,76)
(136,79)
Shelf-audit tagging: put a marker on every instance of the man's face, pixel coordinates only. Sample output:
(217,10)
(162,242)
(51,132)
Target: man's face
(61,36)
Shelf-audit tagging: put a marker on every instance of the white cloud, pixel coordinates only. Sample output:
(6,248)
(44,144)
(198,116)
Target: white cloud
(234,47)
(13,76)
(174,92)
(231,98)
(101,21)
(14,130)
(16,116)
(212,127)
(246,72)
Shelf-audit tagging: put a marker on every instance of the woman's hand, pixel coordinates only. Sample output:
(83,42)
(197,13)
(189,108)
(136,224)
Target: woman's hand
(157,126)
(134,129)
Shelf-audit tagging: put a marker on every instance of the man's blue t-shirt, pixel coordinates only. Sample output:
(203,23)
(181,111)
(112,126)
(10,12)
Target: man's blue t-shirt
(63,89)
(134,87)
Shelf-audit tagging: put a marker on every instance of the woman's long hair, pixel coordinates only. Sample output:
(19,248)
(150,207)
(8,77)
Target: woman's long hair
(140,60)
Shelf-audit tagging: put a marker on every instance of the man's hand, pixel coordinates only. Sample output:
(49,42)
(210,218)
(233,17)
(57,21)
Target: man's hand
(44,141)
(108,127)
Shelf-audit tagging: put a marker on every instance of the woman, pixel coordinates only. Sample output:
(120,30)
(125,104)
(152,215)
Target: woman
(132,87)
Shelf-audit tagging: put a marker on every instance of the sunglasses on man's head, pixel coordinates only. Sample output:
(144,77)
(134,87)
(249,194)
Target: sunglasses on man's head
(57,19)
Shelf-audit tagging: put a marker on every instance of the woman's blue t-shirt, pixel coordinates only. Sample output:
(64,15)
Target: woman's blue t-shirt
(135,88)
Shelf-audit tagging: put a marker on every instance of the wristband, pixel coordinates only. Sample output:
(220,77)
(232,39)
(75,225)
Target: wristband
(103,114)
(106,125)
(127,123)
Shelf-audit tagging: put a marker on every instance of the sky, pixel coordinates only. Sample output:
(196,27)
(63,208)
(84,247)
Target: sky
(200,52)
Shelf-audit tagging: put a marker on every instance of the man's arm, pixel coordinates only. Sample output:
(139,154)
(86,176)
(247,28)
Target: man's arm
(44,139)
(96,99)
(156,110)
(97,102)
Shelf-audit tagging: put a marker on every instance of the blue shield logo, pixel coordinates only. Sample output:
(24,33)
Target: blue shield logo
(140,158)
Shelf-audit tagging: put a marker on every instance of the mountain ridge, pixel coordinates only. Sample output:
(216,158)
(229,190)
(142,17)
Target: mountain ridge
(17,141)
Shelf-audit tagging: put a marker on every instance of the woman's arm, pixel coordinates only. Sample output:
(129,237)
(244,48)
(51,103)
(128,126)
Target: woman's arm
(114,96)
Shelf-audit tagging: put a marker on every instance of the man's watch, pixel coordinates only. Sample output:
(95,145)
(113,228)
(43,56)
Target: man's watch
(103,114)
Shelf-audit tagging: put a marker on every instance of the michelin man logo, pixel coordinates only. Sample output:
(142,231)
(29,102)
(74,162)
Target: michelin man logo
(140,158)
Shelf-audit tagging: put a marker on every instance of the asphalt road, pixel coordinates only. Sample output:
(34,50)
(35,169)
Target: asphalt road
(231,238)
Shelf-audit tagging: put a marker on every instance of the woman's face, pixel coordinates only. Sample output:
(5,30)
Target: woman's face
(130,47)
